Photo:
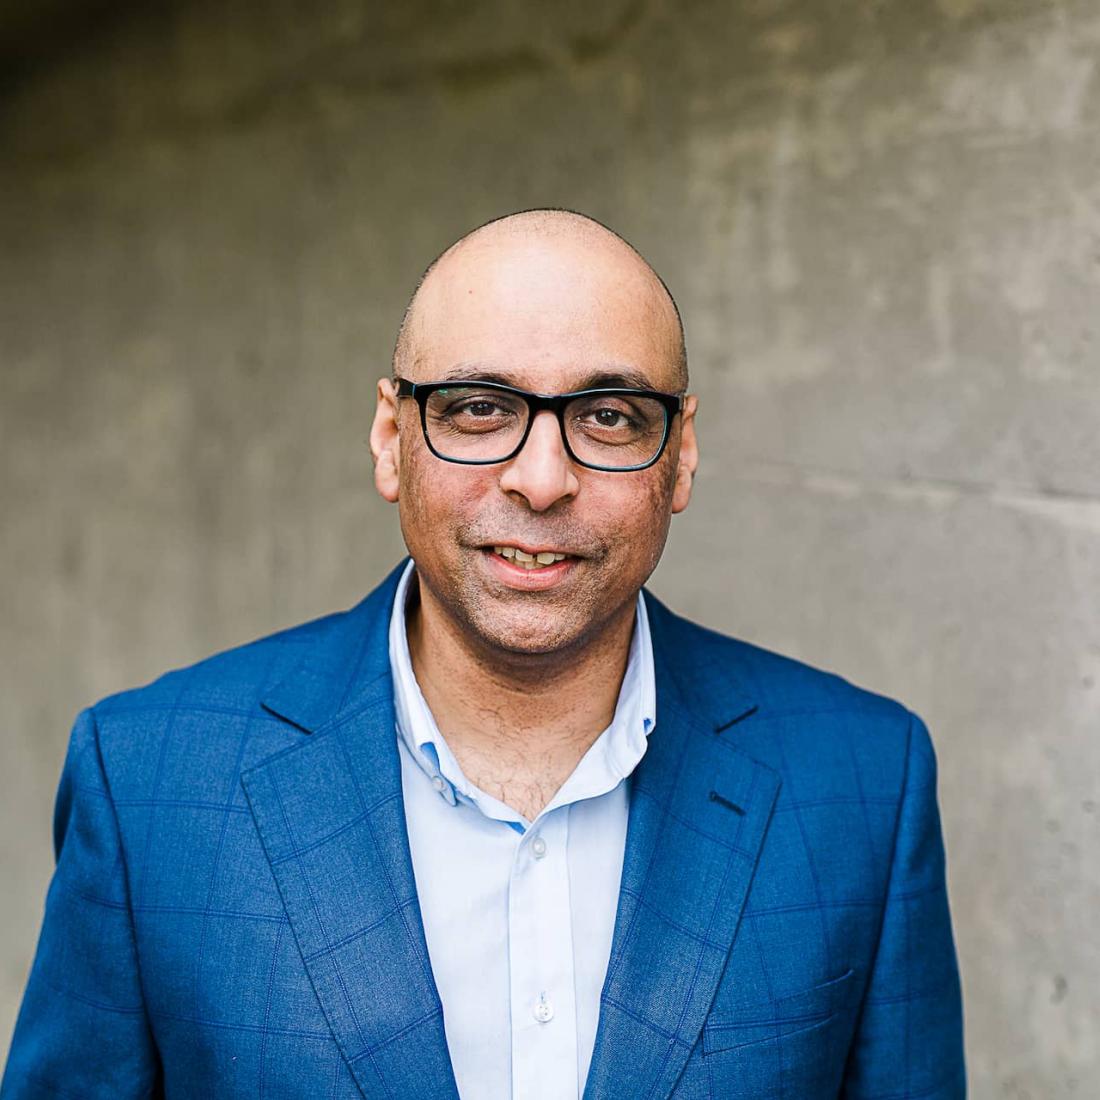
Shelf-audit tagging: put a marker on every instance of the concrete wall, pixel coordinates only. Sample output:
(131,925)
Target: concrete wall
(882,221)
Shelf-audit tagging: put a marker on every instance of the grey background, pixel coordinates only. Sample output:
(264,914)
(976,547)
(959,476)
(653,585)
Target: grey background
(882,222)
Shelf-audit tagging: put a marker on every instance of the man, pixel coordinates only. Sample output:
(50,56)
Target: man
(508,828)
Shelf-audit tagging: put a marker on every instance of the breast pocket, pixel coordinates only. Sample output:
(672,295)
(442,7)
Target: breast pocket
(793,1046)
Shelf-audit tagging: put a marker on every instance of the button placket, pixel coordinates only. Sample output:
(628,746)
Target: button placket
(541,963)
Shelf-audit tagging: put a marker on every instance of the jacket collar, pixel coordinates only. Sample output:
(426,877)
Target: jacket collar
(348,657)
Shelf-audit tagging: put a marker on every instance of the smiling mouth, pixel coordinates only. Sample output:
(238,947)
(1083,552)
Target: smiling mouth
(536,561)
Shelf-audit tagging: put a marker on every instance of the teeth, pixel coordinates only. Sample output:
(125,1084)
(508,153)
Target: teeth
(529,561)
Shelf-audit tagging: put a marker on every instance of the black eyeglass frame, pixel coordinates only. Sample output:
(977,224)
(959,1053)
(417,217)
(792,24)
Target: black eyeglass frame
(672,403)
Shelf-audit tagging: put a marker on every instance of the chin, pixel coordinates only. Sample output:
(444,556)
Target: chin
(531,635)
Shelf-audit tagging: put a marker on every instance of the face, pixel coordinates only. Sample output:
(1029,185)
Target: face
(549,317)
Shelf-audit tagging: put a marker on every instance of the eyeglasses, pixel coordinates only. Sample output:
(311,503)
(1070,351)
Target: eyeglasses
(481,423)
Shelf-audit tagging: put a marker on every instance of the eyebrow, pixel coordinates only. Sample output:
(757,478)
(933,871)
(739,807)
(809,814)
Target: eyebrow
(611,376)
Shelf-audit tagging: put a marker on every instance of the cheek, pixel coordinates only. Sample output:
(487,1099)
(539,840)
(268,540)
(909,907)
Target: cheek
(434,496)
(644,514)
(415,499)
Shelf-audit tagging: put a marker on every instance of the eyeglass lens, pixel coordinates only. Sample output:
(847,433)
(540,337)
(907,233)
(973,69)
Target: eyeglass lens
(470,424)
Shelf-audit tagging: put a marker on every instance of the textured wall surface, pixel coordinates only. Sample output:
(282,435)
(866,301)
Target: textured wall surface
(882,221)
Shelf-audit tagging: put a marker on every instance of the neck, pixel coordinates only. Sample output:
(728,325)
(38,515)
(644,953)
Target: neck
(517,723)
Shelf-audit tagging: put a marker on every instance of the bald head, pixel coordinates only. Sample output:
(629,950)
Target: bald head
(532,271)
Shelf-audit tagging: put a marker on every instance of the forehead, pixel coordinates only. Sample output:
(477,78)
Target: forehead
(546,316)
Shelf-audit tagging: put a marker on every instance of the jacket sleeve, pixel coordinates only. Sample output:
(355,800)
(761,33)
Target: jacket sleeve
(908,1040)
(82,1030)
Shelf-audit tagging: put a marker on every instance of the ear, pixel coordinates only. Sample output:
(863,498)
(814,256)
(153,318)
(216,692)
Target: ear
(688,461)
(385,443)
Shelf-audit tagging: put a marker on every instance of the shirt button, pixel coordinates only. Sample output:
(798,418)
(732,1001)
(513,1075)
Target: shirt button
(544,1010)
(439,783)
(538,847)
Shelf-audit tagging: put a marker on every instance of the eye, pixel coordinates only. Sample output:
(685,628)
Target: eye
(474,413)
(478,408)
(471,406)
(610,418)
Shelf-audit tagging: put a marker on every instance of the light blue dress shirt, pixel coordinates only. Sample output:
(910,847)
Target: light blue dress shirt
(519,915)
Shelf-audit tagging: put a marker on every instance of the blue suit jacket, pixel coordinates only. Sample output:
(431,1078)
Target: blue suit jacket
(234,912)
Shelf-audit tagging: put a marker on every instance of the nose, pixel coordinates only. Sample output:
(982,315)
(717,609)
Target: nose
(542,473)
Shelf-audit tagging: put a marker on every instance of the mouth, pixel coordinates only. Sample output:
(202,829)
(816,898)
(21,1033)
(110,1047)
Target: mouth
(529,568)
(532,560)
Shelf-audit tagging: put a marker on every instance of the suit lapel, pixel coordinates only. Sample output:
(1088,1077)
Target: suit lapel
(699,810)
(330,815)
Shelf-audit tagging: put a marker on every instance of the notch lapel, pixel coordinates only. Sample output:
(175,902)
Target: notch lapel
(699,811)
(331,819)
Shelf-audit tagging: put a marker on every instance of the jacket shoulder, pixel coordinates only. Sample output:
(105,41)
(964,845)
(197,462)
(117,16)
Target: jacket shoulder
(777,684)
(825,736)
(185,736)
(231,680)
(194,728)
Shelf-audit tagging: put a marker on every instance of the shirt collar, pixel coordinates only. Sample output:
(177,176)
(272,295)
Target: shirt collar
(611,758)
